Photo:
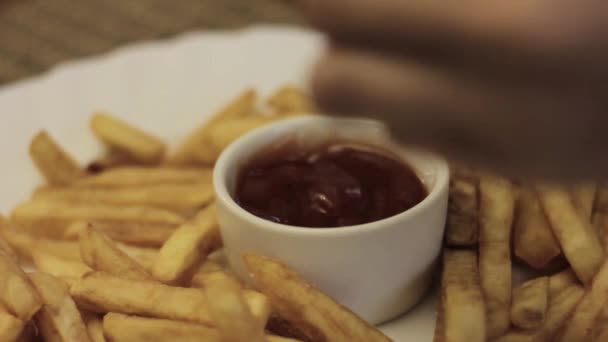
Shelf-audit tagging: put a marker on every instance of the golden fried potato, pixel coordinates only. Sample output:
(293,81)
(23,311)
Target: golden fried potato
(583,196)
(58,319)
(588,309)
(230,312)
(133,233)
(579,242)
(599,333)
(124,328)
(10,326)
(94,325)
(529,304)
(101,292)
(289,100)
(26,244)
(144,256)
(57,266)
(307,308)
(462,227)
(109,160)
(101,254)
(201,274)
(223,133)
(54,163)
(462,300)
(196,149)
(187,247)
(120,136)
(175,197)
(17,294)
(6,247)
(439,334)
(497,204)
(560,308)
(562,280)
(51,218)
(533,239)
(134,176)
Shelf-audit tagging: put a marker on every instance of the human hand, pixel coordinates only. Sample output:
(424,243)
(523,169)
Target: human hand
(516,86)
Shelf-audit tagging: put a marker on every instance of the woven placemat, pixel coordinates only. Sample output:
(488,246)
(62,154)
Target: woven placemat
(37,34)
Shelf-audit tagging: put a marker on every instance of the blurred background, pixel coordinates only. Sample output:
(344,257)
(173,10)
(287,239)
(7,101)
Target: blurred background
(37,34)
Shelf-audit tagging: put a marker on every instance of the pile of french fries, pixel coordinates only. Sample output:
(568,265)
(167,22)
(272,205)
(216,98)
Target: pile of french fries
(559,233)
(128,249)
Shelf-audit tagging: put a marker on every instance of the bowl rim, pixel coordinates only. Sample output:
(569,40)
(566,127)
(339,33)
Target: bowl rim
(227,160)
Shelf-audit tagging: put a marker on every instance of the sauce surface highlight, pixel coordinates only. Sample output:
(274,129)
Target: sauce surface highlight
(337,185)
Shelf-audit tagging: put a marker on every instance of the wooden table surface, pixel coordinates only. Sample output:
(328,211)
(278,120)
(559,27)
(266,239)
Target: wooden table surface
(36,34)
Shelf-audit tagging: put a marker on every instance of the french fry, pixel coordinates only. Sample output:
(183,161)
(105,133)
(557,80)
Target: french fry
(55,164)
(177,197)
(439,334)
(599,333)
(58,319)
(223,133)
(562,280)
(140,176)
(579,242)
(133,233)
(57,266)
(599,218)
(462,222)
(110,160)
(17,294)
(187,247)
(560,308)
(124,328)
(94,326)
(497,202)
(588,309)
(120,136)
(101,254)
(289,100)
(292,296)
(462,299)
(51,218)
(583,196)
(272,338)
(277,325)
(100,292)
(10,326)
(533,239)
(26,244)
(5,247)
(144,256)
(230,311)
(196,148)
(208,267)
(530,303)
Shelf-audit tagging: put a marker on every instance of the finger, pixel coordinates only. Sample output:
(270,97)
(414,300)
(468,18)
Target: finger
(479,122)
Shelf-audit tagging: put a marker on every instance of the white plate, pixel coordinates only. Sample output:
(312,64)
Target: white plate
(166,88)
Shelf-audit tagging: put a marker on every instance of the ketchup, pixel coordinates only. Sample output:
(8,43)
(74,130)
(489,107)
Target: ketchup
(337,185)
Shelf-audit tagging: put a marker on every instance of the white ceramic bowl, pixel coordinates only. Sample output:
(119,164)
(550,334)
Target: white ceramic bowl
(379,269)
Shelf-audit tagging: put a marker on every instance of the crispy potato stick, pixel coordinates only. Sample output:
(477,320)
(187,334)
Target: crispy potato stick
(599,218)
(196,148)
(100,292)
(289,100)
(178,197)
(120,136)
(10,326)
(51,218)
(230,311)
(26,244)
(533,239)
(439,335)
(562,280)
(581,323)
(59,267)
(579,242)
(272,338)
(307,308)
(111,159)
(140,176)
(583,196)
(462,227)
(55,164)
(134,233)
(462,298)
(200,275)
(6,247)
(530,303)
(497,202)
(144,256)
(101,254)
(124,328)
(17,294)
(560,308)
(94,325)
(599,333)
(277,325)
(59,319)
(221,134)
(187,247)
